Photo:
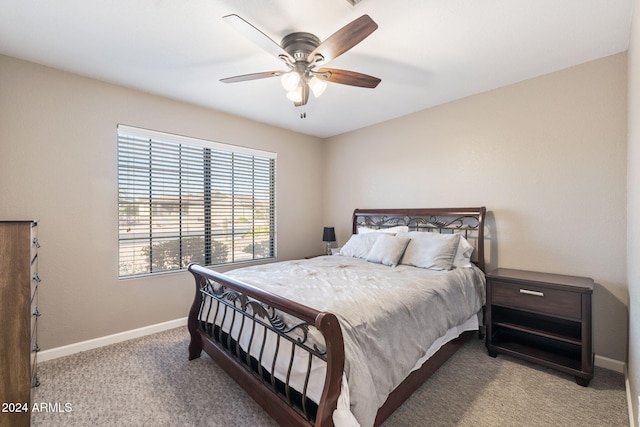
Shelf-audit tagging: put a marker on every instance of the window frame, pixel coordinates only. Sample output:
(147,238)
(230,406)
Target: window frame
(246,173)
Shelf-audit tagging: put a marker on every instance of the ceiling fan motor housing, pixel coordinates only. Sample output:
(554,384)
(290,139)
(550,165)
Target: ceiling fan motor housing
(300,45)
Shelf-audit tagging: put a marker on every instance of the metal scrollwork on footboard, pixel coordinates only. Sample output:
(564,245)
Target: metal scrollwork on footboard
(284,348)
(241,304)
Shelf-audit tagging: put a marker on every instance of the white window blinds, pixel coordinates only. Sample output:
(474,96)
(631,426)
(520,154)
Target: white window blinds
(184,200)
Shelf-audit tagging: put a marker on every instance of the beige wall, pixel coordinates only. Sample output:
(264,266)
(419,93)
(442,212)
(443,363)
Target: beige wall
(58,165)
(633,213)
(546,156)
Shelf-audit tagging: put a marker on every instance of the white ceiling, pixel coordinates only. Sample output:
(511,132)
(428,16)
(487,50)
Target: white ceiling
(427,52)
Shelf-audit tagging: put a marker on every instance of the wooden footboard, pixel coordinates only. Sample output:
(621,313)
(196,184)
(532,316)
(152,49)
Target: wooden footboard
(248,314)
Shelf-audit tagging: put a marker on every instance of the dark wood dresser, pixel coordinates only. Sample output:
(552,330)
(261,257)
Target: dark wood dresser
(543,318)
(18,320)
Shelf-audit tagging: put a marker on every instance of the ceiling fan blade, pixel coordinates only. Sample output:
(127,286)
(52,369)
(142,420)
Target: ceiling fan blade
(257,36)
(346,77)
(253,76)
(344,39)
(305,96)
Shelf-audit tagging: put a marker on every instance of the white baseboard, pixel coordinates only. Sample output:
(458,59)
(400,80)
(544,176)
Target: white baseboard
(621,367)
(632,417)
(67,350)
(610,364)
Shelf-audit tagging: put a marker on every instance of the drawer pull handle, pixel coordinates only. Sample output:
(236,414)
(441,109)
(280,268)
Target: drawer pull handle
(535,293)
(36,244)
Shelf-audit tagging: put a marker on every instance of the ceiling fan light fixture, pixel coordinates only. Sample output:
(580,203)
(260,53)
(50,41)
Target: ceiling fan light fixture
(290,81)
(317,86)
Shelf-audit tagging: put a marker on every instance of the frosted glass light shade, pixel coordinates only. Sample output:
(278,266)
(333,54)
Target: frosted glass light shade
(317,86)
(295,95)
(290,81)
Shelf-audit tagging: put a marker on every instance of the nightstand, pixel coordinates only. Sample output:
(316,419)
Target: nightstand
(542,318)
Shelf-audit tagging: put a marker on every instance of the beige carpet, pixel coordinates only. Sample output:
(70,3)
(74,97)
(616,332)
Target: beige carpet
(149,382)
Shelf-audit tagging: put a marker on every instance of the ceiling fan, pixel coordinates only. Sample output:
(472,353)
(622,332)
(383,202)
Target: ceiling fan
(303,52)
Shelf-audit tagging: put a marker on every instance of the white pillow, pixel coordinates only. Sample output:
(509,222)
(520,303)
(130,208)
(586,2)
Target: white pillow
(463,254)
(430,250)
(388,250)
(359,245)
(390,230)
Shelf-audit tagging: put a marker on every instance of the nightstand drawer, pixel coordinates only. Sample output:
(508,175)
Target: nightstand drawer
(538,299)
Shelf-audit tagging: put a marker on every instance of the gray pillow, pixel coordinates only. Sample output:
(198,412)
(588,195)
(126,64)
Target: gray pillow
(359,245)
(388,250)
(430,250)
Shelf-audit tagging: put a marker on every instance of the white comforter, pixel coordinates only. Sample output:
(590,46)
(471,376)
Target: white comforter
(389,316)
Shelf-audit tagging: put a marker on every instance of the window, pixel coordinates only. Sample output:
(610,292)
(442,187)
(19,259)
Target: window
(184,200)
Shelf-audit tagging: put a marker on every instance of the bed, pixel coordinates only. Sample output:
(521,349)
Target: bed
(342,340)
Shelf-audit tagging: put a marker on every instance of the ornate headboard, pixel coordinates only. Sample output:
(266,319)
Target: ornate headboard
(469,222)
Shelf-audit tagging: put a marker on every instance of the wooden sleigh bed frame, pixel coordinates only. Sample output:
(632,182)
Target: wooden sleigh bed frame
(289,407)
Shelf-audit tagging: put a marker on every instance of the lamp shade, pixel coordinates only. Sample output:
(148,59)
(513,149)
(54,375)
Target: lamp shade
(329,234)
